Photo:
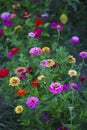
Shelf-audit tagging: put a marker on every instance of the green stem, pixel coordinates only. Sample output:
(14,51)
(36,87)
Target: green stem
(58,36)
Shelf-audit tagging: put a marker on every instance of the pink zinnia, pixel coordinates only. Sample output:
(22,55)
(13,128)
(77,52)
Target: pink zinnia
(20,70)
(83,54)
(55,88)
(5,16)
(57,26)
(35,51)
(44,63)
(32,102)
(37,32)
(31,34)
(75,40)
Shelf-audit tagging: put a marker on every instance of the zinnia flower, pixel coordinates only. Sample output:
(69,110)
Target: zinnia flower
(19,109)
(45,16)
(4,72)
(65,87)
(81,79)
(18,27)
(20,70)
(29,70)
(45,49)
(55,88)
(37,32)
(35,83)
(5,16)
(83,54)
(75,40)
(41,77)
(32,102)
(21,92)
(14,81)
(57,26)
(44,63)
(8,23)
(72,73)
(26,15)
(74,85)
(35,51)
(50,63)
(12,52)
(22,76)
(63,18)
(62,128)
(71,59)
(31,34)
(38,22)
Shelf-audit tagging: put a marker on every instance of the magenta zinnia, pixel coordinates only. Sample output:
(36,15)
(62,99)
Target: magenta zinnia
(32,102)
(55,88)
(35,51)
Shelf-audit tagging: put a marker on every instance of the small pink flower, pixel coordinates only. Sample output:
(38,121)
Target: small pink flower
(35,51)
(31,34)
(55,88)
(83,54)
(44,63)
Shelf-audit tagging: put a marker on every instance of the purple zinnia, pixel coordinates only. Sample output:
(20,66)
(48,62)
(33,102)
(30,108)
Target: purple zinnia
(74,85)
(83,54)
(22,76)
(65,87)
(62,128)
(44,63)
(5,16)
(57,26)
(8,23)
(46,117)
(1,32)
(55,88)
(75,40)
(35,51)
(37,32)
(32,102)
(9,55)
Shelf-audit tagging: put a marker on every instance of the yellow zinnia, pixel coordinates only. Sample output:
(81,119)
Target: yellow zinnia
(18,27)
(50,63)
(41,77)
(19,109)
(72,73)
(71,59)
(63,18)
(14,81)
(45,49)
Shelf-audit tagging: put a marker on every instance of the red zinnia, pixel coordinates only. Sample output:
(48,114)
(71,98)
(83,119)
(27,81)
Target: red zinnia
(38,22)
(14,50)
(81,79)
(21,92)
(29,70)
(4,72)
(35,83)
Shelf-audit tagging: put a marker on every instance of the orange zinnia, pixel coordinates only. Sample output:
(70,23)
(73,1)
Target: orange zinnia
(21,92)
